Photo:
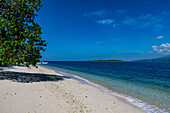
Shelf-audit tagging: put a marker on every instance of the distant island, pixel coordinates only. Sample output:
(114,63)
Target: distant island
(104,60)
(165,58)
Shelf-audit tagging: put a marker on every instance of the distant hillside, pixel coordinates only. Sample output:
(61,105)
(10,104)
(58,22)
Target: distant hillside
(105,60)
(165,58)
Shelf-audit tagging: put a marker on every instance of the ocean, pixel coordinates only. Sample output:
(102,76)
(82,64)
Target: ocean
(144,84)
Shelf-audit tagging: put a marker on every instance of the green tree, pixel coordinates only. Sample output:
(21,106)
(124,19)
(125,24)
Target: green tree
(20,35)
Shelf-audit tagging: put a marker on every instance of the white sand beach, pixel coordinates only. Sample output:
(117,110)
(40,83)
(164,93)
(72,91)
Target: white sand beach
(54,95)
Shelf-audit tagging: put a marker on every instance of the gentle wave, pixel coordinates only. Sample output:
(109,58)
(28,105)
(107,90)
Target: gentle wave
(132,100)
(141,104)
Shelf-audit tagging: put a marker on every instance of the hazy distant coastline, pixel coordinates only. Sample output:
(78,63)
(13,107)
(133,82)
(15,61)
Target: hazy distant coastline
(104,60)
(165,58)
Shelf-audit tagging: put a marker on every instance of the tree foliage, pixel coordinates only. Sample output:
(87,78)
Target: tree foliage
(20,35)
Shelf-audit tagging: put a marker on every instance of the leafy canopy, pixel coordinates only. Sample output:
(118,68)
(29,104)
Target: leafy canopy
(20,36)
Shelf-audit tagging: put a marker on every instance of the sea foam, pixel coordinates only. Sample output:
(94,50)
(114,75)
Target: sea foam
(132,100)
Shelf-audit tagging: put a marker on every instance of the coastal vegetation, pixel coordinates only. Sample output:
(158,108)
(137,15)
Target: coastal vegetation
(20,35)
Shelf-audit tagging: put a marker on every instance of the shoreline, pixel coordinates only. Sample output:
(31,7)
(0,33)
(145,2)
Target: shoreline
(132,100)
(66,95)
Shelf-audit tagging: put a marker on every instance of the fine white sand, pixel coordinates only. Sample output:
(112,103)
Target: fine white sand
(63,96)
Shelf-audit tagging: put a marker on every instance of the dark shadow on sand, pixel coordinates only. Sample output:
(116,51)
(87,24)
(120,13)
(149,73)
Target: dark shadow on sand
(29,77)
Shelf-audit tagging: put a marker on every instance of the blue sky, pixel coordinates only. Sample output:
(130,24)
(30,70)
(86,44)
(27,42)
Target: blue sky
(105,29)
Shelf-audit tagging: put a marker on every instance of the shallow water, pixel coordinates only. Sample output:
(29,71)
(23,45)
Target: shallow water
(148,81)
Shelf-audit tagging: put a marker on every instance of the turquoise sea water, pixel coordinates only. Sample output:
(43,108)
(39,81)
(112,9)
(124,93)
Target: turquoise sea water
(146,81)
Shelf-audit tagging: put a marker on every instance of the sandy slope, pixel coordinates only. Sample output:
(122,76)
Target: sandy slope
(64,96)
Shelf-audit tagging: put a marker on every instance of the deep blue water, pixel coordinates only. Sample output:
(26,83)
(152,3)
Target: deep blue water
(149,81)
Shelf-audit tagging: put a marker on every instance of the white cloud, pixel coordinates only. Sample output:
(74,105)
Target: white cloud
(149,51)
(146,52)
(162,49)
(95,13)
(156,22)
(105,22)
(159,37)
